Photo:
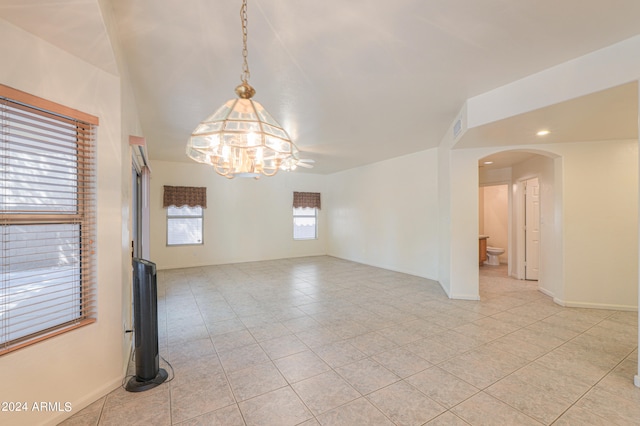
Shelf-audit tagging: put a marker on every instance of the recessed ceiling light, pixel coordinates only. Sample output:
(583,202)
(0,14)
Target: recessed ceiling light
(543,133)
(488,162)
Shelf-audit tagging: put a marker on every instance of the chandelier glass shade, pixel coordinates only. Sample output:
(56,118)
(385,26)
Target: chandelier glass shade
(241,138)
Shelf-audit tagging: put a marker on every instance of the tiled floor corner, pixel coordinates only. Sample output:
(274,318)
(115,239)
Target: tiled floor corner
(323,341)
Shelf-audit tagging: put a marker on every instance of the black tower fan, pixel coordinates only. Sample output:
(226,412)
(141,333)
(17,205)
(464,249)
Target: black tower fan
(145,317)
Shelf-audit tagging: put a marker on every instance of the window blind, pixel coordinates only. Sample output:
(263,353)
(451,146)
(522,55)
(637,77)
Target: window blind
(305,223)
(47,219)
(184,225)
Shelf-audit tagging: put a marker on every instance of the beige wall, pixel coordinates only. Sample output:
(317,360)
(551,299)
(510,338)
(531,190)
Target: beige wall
(245,219)
(130,125)
(82,365)
(386,214)
(590,199)
(601,224)
(579,176)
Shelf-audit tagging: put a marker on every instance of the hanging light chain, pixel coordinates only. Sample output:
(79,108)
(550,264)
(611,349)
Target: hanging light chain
(242,149)
(245,65)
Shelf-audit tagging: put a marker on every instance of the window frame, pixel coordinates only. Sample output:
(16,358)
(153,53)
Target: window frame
(176,217)
(27,114)
(314,216)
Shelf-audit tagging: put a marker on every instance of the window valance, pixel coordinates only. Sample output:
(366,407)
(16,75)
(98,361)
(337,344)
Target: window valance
(306,199)
(184,196)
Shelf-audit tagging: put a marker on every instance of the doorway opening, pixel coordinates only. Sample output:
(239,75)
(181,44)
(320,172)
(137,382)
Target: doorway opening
(536,176)
(494,222)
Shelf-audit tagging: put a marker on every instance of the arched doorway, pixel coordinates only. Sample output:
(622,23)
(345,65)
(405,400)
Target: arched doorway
(516,169)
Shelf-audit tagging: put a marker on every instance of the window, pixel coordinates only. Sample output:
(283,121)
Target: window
(184,225)
(47,219)
(305,215)
(184,206)
(305,223)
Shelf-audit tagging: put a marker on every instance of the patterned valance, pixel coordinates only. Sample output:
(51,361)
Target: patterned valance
(306,199)
(184,196)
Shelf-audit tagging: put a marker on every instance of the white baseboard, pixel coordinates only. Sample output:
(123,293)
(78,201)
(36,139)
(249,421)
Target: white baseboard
(557,301)
(547,293)
(464,296)
(636,381)
(93,396)
(590,305)
(446,290)
(220,262)
(87,400)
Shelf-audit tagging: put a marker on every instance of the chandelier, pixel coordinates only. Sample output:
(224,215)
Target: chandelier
(241,138)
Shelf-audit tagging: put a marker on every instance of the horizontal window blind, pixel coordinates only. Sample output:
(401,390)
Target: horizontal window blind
(47,219)
(184,225)
(305,223)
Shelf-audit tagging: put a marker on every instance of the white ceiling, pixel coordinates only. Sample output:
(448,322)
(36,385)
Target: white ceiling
(610,114)
(73,25)
(352,82)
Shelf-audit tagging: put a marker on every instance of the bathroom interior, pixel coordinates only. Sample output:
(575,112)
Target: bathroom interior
(493,223)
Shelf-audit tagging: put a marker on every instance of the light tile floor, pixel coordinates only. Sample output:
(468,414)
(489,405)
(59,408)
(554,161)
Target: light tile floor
(323,341)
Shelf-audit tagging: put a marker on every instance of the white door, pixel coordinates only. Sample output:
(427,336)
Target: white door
(532,229)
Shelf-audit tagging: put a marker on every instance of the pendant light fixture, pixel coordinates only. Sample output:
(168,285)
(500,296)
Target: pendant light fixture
(241,138)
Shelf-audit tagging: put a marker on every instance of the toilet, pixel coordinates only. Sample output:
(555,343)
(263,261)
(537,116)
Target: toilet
(492,255)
